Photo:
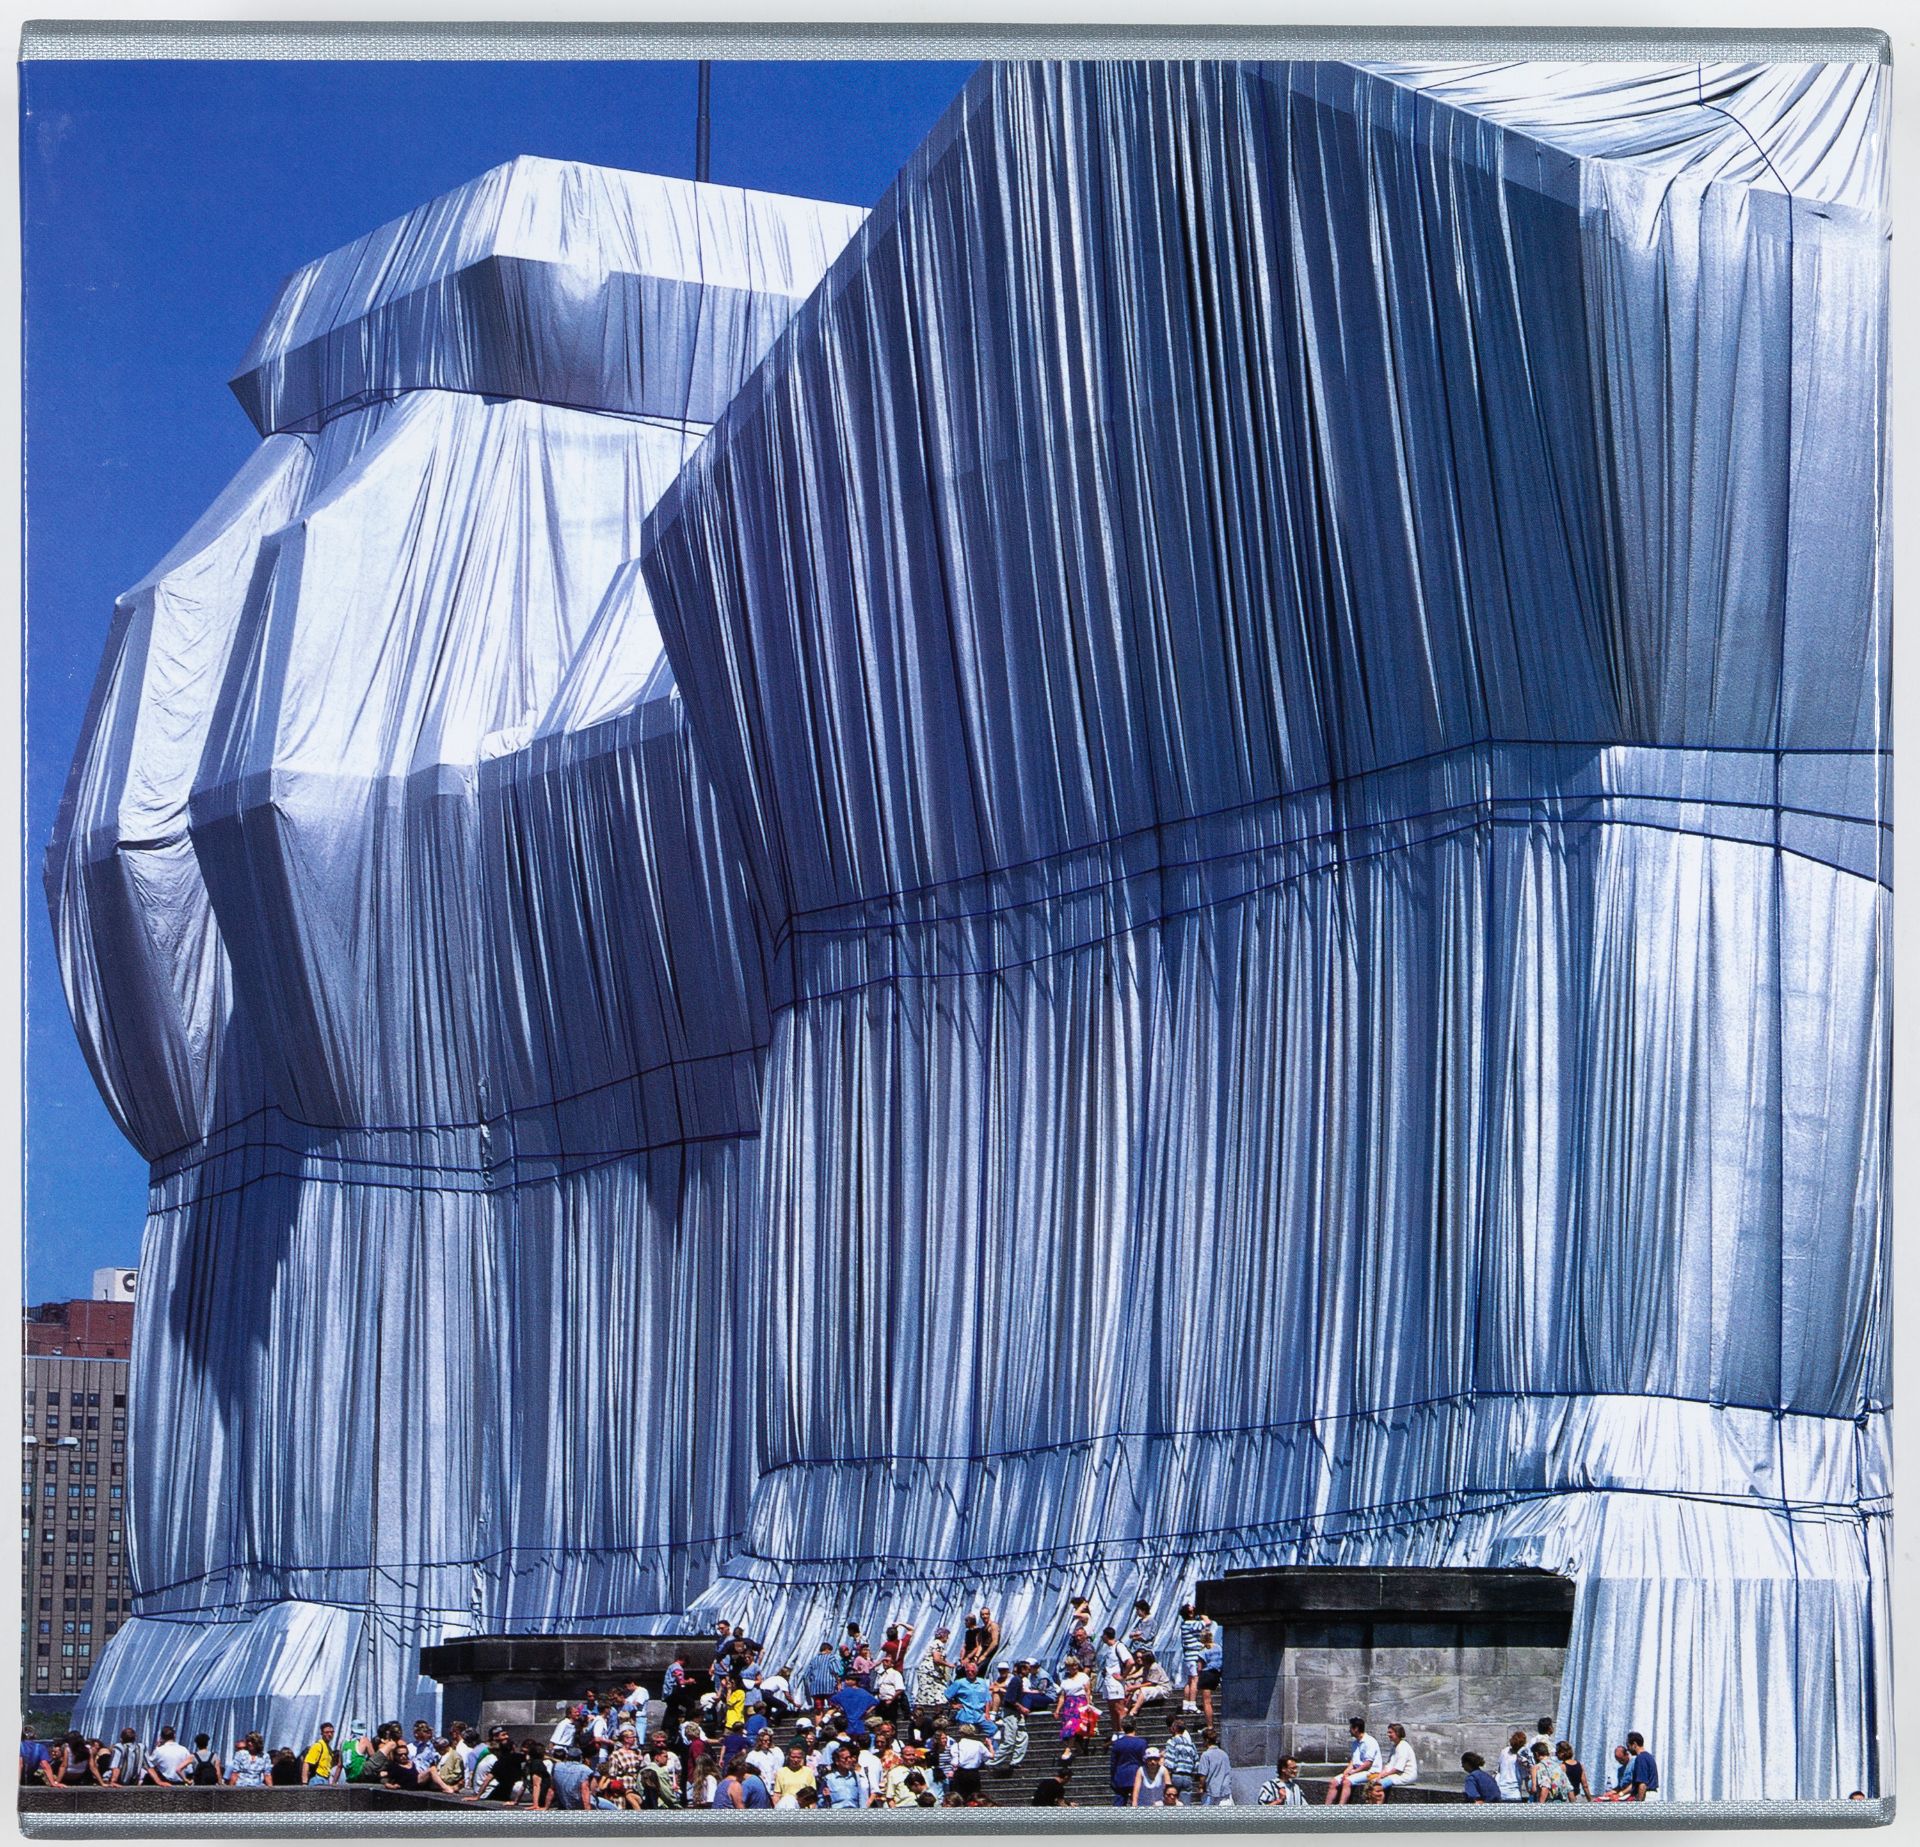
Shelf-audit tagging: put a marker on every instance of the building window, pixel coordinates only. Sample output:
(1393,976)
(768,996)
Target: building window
(72,1583)
(93,1423)
(42,1648)
(93,1468)
(93,1398)
(30,1396)
(66,1648)
(93,1446)
(74,1398)
(116,1492)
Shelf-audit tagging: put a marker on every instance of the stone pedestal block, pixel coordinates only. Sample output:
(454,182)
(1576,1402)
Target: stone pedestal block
(1459,1657)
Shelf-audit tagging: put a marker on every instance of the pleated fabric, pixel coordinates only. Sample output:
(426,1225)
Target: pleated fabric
(1318,782)
(1209,888)
(403,936)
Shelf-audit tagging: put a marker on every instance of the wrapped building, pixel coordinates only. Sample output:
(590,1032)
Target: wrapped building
(1173,857)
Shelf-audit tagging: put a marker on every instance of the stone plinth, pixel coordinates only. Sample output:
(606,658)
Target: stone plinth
(1459,1657)
(521,1680)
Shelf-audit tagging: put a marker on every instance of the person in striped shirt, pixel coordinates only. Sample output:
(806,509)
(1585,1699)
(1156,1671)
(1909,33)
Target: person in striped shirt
(1195,1633)
(1182,1756)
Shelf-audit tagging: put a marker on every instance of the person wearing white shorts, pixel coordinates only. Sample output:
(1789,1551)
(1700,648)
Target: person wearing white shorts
(1360,1762)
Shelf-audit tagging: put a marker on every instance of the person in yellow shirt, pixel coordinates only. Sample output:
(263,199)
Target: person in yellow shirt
(906,1778)
(321,1759)
(793,1776)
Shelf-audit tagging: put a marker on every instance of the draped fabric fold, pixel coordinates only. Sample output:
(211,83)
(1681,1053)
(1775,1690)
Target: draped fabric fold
(1191,871)
(1319,781)
(405,937)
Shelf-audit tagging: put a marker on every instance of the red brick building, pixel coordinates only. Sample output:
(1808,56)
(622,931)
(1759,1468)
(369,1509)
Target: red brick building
(73,1493)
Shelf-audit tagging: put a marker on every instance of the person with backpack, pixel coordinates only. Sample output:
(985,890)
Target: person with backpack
(206,1769)
(129,1763)
(321,1760)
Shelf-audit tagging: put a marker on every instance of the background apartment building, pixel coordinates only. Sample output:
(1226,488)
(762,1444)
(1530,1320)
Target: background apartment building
(73,1487)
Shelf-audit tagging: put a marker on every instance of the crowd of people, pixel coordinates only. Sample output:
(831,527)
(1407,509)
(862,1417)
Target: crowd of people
(858,1724)
(1537,1769)
(855,1725)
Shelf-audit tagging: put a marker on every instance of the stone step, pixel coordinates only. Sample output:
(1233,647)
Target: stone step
(1317,1781)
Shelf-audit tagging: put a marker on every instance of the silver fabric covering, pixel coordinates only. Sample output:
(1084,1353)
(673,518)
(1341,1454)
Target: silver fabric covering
(1248,925)
(402,938)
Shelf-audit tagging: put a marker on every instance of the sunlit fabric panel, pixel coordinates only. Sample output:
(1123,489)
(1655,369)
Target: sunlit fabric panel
(629,1027)
(207,1677)
(146,973)
(1243,922)
(403,930)
(1318,781)
(550,280)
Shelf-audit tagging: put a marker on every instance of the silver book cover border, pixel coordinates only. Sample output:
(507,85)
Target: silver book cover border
(86,38)
(134,40)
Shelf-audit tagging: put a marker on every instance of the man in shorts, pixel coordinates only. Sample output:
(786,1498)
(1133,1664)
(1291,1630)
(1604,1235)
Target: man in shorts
(1196,1633)
(1362,1755)
(1207,1681)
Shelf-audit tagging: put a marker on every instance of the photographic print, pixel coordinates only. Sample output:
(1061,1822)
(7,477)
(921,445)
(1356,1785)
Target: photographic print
(931,934)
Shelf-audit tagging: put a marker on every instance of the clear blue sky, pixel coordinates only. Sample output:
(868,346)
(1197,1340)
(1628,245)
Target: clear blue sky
(164,202)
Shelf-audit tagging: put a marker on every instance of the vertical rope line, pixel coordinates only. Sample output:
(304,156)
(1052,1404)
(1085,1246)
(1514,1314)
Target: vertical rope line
(1777,901)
